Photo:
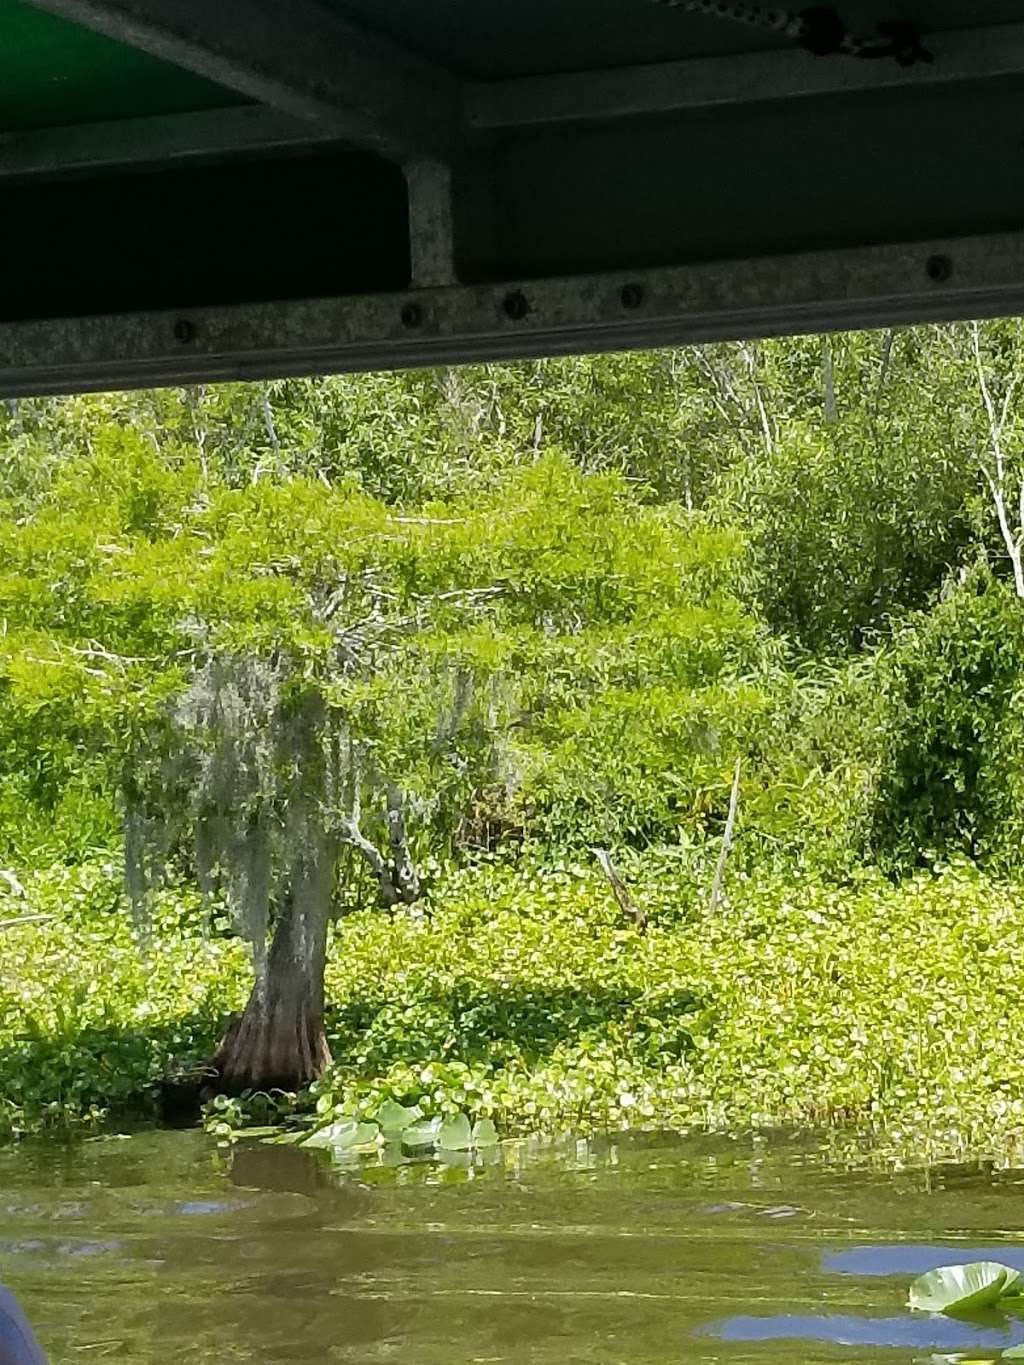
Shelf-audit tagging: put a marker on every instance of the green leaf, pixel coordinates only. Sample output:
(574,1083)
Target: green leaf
(422,1134)
(342,1135)
(962,1288)
(485,1134)
(456,1135)
(394,1119)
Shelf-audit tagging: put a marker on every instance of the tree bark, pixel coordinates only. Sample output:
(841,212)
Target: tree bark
(279,1043)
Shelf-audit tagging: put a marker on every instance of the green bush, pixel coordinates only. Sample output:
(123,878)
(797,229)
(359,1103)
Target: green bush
(951,752)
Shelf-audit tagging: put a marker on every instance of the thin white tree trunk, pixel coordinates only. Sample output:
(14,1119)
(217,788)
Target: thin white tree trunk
(995,477)
(727,837)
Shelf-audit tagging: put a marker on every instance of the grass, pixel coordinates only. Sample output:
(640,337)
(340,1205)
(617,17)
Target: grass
(522,996)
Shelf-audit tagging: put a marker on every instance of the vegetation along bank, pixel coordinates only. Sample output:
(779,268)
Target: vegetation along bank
(621,741)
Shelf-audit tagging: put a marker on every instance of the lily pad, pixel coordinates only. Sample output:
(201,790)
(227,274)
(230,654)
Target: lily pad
(485,1134)
(344,1134)
(394,1119)
(423,1134)
(456,1134)
(963,1288)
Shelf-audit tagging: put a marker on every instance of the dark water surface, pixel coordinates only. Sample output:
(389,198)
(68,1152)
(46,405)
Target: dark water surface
(162,1248)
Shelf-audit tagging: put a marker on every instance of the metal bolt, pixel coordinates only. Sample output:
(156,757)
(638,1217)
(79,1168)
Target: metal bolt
(412,315)
(939,268)
(184,331)
(515,305)
(632,295)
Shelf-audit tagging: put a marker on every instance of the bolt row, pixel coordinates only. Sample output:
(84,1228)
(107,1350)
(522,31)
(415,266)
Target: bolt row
(516,306)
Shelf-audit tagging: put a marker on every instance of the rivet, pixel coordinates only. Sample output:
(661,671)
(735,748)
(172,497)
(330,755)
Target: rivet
(939,268)
(184,331)
(632,295)
(515,305)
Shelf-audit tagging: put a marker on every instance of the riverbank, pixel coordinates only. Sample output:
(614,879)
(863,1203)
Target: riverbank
(523,996)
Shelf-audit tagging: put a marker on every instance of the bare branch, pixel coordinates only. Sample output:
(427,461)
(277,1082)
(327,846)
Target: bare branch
(351,834)
(14,886)
(397,879)
(268,420)
(26,919)
(619,890)
(404,875)
(883,377)
(716,393)
(730,826)
(828,379)
(750,356)
(997,482)
(1008,397)
(427,521)
(994,427)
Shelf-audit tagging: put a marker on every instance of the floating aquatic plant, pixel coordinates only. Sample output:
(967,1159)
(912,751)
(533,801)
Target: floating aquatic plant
(400,1128)
(958,1289)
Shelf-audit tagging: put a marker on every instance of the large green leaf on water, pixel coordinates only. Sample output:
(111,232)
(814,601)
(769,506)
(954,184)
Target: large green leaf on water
(456,1134)
(963,1288)
(422,1134)
(1014,1353)
(394,1118)
(342,1135)
(485,1134)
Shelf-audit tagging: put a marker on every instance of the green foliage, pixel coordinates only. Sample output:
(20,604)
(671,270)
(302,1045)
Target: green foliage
(855,519)
(527,1000)
(88,1021)
(553,603)
(536,624)
(952,735)
(957,1289)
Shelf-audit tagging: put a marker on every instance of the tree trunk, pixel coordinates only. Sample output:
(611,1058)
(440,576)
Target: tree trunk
(279,1042)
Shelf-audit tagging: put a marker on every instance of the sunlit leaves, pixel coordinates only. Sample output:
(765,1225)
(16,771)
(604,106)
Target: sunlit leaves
(963,1288)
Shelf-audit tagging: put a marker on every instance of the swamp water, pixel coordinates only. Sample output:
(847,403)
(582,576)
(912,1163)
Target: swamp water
(163,1248)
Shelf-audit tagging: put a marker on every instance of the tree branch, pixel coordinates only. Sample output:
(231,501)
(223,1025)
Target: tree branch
(997,482)
(404,875)
(730,826)
(351,834)
(619,890)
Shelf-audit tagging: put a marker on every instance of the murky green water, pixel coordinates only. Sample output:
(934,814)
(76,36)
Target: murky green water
(163,1248)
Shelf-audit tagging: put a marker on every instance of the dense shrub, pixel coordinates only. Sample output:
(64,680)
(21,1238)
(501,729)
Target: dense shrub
(950,771)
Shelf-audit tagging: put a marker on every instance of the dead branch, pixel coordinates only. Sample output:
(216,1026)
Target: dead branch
(14,886)
(397,879)
(25,919)
(351,834)
(404,874)
(828,378)
(727,837)
(995,478)
(626,904)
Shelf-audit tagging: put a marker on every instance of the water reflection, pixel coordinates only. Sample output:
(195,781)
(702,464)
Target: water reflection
(909,1330)
(912,1260)
(622,1250)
